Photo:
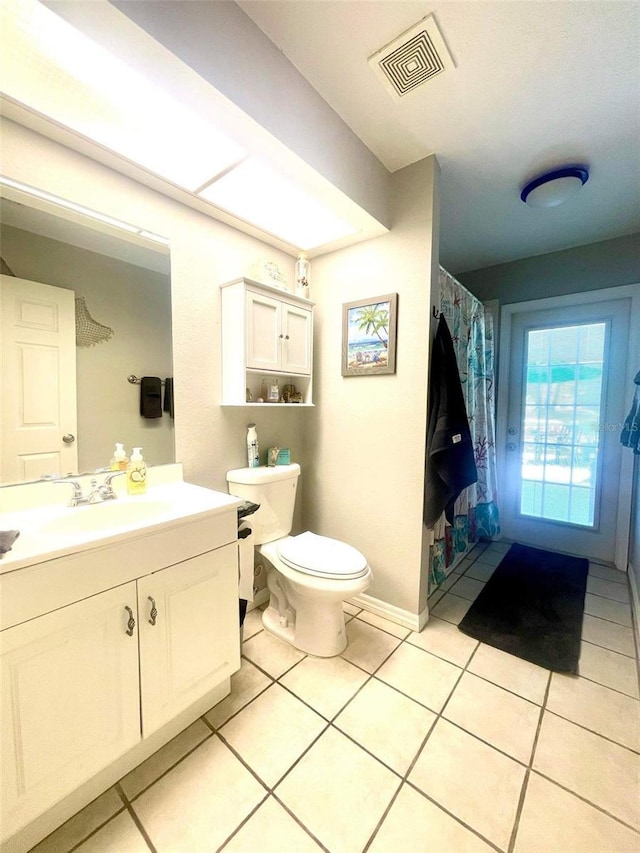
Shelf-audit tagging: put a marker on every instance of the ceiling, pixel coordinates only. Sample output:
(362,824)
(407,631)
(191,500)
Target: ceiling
(535,85)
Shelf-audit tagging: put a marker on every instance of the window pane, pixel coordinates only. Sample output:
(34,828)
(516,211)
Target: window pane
(562,422)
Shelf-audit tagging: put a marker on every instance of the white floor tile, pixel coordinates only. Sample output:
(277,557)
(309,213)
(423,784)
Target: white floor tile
(327,684)
(607,574)
(120,835)
(597,708)
(480,571)
(246,684)
(272,732)
(158,763)
(609,668)
(451,608)
(367,646)
(252,624)
(271,653)
(501,719)
(416,824)
(444,640)
(351,609)
(618,638)
(339,792)
(271,829)
(555,821)
(514,674)
(420,675)
(82,824)
(607,608)
(490,558)
(601,772)
(608,589)
(199,803)
(387,724)
(384,624)
(468,587)
(473,781)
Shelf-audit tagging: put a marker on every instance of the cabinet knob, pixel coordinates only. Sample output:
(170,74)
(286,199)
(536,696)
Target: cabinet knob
(153,613)
(131,624)
(281,336)
(286,337)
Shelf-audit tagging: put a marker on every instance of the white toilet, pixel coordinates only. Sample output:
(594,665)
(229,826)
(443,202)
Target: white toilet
(309,576)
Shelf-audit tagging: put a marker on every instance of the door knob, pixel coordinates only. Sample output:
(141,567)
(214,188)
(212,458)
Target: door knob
(68,438)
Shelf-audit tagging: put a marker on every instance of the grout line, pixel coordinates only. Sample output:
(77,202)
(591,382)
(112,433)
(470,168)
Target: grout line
(593,732)
(243,822)
(525,782)
(134,817)
(299,822)
(584,800)
(93,832)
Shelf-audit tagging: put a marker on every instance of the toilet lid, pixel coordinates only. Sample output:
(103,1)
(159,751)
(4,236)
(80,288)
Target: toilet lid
(322,556)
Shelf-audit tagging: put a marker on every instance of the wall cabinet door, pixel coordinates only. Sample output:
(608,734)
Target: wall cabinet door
(191,643)
(70,700)
(296,347)
(264,332)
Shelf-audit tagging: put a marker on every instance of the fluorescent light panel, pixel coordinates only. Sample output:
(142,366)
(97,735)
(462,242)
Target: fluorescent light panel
(262,197)
(55,69)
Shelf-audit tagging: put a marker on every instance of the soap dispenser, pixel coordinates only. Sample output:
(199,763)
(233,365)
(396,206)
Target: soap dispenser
(136,473)
(120,460)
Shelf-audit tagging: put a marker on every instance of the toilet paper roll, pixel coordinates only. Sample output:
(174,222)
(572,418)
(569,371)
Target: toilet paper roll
(245,564)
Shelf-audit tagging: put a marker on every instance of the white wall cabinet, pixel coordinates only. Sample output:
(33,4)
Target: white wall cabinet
(85,683)
(266,333)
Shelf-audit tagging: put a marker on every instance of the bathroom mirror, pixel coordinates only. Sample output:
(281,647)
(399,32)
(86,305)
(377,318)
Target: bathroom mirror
(121,289)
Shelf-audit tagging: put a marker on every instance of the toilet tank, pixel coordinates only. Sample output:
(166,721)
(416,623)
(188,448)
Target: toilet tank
(275,490)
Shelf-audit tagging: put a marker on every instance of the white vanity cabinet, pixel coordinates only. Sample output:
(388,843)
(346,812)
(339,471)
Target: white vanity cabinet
(70,700)
(107,653)
(266,332)
(188,629)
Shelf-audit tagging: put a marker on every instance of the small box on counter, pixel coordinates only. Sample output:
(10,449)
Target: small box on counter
(278,456)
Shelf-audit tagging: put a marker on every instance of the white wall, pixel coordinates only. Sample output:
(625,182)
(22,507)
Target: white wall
(135,303)
(366,439)
(204,253)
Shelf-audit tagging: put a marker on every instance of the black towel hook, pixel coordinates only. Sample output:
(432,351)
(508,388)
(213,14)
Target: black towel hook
(435,312)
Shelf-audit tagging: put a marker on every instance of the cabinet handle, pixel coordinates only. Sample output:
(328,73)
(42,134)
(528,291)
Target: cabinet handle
(131,624)
(281,336)
(153,613)
(286,337)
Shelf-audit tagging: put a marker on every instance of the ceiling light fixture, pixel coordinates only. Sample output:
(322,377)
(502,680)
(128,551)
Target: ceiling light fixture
(552,188)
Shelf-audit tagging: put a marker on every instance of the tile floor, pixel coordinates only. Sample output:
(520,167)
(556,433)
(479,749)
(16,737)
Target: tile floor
(407,742)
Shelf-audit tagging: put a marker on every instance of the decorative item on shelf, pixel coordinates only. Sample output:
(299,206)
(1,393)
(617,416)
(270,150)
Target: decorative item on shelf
(268,272)
(369,336)
(303,275)
(248,395)
(270,391)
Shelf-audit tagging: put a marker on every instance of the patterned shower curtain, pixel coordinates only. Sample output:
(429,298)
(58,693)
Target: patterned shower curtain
(476,511)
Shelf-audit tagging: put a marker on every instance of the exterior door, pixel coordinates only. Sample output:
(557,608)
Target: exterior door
(38,358)
(566,405)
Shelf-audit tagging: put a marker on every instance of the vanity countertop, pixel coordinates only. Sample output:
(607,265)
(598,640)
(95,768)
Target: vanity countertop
(54,530)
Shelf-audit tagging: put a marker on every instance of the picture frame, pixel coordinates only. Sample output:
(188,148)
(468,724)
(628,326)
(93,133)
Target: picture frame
(369,336)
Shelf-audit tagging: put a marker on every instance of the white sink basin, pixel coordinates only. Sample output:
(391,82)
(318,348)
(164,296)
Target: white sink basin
(106,516)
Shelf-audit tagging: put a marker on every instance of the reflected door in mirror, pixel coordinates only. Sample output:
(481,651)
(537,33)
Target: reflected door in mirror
(38,350)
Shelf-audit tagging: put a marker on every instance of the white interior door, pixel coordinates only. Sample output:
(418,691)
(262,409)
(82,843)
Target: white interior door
(566,404)
(38,357)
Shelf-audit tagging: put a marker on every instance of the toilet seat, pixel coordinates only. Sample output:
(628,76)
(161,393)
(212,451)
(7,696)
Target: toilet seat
(321,556)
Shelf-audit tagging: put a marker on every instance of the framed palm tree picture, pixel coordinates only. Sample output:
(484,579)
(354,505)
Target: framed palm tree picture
(369,336)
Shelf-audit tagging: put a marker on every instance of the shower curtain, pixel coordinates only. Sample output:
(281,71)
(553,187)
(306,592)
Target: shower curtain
(476,511)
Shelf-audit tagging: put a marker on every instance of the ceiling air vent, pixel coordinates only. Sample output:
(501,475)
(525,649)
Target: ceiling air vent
(414,57)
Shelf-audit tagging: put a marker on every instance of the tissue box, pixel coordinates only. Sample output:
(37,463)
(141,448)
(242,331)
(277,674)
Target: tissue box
(284,455)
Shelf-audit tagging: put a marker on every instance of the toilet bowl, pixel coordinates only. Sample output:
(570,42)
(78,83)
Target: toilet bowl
(309,576)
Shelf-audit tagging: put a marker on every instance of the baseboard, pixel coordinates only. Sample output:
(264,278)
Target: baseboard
(413,621)
(635,603)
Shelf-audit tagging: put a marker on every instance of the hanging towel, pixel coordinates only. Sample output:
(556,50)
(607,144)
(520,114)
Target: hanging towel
(450,463)
(168,397)
(151,397)
(630,435)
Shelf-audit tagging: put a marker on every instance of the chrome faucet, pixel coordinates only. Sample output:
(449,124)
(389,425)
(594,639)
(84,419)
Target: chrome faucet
(98,492)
